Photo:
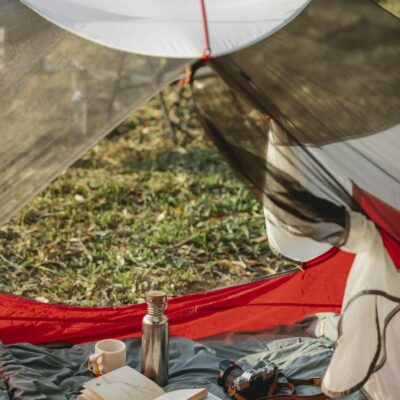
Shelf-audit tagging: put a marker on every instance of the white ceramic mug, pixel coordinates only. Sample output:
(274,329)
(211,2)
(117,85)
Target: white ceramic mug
(109,354)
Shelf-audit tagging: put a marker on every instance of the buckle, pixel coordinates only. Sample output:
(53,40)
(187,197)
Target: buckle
(317,381)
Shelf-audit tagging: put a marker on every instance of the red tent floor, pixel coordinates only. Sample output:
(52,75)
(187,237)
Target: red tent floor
(283,299)
(249,307)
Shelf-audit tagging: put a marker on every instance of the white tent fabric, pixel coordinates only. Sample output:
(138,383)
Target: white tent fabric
(283,242)
(370,322)
(170,28)
(296,248)
(346,160)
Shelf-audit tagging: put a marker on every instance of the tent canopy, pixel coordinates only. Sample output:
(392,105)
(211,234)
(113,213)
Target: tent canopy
(304,109)
(173,28)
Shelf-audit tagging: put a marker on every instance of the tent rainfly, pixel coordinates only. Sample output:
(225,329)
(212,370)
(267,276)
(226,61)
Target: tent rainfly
(304,107)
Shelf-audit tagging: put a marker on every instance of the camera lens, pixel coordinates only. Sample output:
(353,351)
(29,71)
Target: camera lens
(233,374)
(228,372)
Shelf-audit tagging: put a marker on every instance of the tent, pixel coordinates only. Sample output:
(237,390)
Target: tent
(304,109)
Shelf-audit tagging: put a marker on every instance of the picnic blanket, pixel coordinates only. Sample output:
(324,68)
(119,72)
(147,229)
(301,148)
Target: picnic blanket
(57,372)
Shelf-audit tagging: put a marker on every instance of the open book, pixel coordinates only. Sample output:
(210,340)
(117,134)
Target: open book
(128,384)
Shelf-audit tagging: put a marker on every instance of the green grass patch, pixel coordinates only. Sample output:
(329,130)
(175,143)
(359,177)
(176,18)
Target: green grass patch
(139,211)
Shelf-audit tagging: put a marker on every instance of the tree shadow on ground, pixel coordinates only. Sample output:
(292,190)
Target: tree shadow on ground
(196,161)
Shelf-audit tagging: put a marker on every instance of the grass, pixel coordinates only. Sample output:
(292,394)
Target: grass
(139,211)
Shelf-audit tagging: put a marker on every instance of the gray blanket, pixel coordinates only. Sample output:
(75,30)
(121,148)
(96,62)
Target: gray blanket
(57,372)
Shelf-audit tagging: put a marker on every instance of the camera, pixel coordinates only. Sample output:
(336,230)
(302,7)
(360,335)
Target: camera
(251,384)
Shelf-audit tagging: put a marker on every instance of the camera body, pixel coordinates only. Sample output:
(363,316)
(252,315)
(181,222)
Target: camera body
(251,384)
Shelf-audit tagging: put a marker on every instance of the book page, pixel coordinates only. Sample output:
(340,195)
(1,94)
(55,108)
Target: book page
(124,384)
(211,396)
(87,394)
(184,394)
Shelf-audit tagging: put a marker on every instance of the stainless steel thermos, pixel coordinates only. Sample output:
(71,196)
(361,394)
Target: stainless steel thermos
(155,338)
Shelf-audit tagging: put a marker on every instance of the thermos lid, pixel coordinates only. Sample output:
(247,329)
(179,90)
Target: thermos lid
(156,296)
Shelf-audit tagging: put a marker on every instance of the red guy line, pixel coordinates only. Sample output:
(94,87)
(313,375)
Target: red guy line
(207,50)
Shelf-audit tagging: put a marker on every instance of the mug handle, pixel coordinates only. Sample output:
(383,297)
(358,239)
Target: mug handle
(95,363)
